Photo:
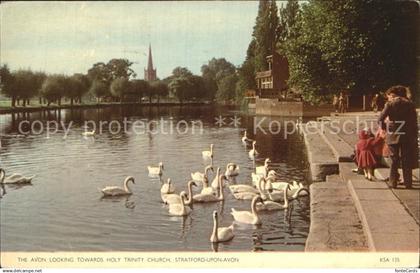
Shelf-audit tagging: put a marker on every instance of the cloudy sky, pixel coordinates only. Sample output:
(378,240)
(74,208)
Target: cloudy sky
(69,37)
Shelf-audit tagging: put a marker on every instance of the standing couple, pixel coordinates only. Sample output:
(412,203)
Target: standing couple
(399,120)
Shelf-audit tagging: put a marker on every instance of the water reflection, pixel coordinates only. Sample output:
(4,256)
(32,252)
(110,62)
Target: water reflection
(66,211)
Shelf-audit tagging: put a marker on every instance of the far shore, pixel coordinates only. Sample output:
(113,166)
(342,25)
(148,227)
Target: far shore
(35,108)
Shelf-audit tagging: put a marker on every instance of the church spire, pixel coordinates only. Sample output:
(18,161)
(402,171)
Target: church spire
(150,73)
(150,62)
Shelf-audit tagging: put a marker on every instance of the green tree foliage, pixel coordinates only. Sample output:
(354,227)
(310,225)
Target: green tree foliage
(265,32)
(227,88)
(6,83)
(77,86)
(358,45)
(289,15)
(213,73)
(119,87)
(160,89)
(24,85)
(140,88)
(54,87)
(99,89)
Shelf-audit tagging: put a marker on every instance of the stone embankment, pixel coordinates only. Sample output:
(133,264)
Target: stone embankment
(348,212)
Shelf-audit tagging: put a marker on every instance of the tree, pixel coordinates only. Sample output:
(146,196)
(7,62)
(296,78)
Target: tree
(25,85)
(54,87)
(288,18)
(214,72)
(140,87)
(358,45)
(99,89)
(76,86)
(6,83)
(120,68)
(265,32)
(119,87)
(227,88)
(160,89)
(181,88)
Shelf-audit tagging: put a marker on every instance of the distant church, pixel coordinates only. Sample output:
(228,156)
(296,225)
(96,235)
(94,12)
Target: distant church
(150,73)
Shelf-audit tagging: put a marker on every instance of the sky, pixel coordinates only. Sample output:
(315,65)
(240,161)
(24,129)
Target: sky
(69,37)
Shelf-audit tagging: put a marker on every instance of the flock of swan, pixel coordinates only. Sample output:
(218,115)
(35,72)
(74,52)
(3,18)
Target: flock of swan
(265,192)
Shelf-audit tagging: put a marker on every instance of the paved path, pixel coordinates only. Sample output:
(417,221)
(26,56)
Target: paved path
(390,217)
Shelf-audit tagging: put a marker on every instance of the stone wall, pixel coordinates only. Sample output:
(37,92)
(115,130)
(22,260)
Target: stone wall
(274,107)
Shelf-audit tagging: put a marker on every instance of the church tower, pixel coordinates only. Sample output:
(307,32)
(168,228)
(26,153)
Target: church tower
(150,73)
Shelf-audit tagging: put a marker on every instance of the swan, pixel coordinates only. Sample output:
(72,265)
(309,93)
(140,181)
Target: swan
(256,178)
(208,154)
(294,191)
(271,205)
(156,170)
(205,198)
(220,234)
(167,187)
(231,170)
(253,153)
(87,133)
(248,217)
(245,138)
(263,170)
(174,198)
(117,191)
(201,177)
(14,178)
(249,195)
(180,209)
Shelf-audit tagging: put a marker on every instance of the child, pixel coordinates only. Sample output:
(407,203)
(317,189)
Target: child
(365,152)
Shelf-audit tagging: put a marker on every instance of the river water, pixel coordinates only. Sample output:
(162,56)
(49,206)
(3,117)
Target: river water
(62,210)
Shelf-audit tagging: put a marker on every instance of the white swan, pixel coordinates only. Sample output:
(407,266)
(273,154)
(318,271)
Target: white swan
(208,154)
(271,205)
(200,177)
(232,170)
(87,133)
(205,198)
(167,187)
(245,138)
(117,191)
(220,234)
(156,170)
(174,198)
(215,182)
(263,170)
(249,195)
(295,189)
(253,153)
(15,178)
(180,209)
(248,217)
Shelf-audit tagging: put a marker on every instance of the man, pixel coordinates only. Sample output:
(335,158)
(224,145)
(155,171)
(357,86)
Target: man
(401,135)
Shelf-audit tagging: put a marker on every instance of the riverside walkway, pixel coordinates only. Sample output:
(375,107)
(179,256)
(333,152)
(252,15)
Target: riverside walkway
(348,212)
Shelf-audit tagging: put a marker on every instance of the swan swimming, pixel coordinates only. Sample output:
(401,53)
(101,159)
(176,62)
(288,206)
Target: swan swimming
(263,170)
(200,177)
(87,133)
(180,209)
(220,234)
(248,217)
(232,170)
(15,178)
(249,195)
(205,198)
(253,153)
(156,170)
(174,198)
(245,138)
(271,205)
(118,191)
(208,154)
(167,187)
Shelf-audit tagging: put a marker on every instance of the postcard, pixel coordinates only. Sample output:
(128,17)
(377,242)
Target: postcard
(209,134)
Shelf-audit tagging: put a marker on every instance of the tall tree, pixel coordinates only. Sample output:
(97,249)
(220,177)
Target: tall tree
(214,72)
(160,89)
(54,88)
(119,87)
(140,88)
(6,83)
(99,89)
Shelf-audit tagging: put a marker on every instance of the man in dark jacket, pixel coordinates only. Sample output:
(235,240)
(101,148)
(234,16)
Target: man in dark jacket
(402,131)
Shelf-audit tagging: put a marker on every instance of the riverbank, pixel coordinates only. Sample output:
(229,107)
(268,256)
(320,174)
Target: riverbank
(348,212)
(30,108)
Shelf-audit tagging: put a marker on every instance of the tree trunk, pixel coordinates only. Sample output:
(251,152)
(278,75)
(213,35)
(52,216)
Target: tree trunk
(158,99)
(150,99)
(24,102)
(48,103)
(71,101)
(40,100)
(59,101)
(80,100)
(13,101)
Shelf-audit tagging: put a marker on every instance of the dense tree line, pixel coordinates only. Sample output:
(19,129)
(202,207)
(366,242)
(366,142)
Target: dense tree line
(361,46)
